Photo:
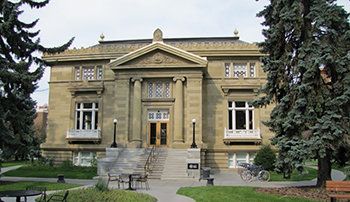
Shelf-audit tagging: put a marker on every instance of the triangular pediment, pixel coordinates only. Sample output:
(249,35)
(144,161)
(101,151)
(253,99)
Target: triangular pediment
(158,54)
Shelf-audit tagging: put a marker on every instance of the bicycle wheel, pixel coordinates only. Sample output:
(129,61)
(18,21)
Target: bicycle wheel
(246,176)
(264,175)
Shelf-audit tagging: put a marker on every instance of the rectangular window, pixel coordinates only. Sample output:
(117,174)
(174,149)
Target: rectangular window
(158,89)
(233,69)
(83,158)
(240,69)
(234,159)
(86,116)
(89,73)
(227,70)
(252,70)
(240,116)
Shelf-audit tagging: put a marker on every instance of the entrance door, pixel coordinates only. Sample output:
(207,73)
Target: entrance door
(158,133)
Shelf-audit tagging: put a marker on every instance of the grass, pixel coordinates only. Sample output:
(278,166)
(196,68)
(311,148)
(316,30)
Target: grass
(50,186)
(312,174)
(73,172)
(12,163)
(236,194)
(91,194)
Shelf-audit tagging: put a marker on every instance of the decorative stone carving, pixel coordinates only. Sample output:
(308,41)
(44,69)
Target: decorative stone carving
(158,36)
(160,58)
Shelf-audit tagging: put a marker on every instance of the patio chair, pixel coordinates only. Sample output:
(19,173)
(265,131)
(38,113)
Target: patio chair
(113,177)
(143,179)
(59,197)
(123,179)
(41,189)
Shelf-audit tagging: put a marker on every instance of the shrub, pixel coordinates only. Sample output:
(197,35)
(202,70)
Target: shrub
(265,157)
(101,185)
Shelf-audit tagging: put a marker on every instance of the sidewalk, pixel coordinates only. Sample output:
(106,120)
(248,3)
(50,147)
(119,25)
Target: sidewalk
(165,190)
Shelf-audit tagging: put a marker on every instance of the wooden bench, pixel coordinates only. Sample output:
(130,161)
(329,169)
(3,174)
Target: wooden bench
(338,189)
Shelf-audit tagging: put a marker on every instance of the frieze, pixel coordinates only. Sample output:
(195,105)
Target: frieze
(188,46)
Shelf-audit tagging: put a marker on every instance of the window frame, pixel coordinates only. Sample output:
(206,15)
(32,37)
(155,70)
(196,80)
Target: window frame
(79,72)
(79,158)
(232,115)
(250,69)
(79,116)
(152,89)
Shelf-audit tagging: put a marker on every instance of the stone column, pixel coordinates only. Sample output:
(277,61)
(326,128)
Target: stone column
(136,118)
(179,109)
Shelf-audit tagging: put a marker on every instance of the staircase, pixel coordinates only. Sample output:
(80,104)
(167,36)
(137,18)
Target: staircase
(169,163)
(175,165)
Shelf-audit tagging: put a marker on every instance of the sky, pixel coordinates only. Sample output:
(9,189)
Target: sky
(86,20)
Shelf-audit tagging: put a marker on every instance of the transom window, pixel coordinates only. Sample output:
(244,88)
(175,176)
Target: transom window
(238,69)
(240,115)
(86,116)
(158,89)
(88,72)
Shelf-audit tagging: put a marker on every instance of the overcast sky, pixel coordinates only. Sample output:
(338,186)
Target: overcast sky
(86,20)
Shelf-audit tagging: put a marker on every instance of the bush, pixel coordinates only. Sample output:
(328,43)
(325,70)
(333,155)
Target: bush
(101,185)
(265,157)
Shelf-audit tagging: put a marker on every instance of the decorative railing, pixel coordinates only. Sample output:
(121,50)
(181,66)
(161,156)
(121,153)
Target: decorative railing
(84,134)
(150,160)
(242,134)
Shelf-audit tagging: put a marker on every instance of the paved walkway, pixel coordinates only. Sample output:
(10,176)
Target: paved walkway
(165,190)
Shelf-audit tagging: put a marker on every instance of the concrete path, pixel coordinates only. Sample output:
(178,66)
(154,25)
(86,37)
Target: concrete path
(165,190)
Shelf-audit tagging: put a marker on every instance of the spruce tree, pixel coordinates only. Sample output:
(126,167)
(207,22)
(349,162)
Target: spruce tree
(17,81)
(307,47)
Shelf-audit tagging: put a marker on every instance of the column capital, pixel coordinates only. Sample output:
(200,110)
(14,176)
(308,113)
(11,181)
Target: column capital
(136,79)
(181,78)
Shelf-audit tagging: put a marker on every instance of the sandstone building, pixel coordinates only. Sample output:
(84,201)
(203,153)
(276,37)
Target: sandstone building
(155,88)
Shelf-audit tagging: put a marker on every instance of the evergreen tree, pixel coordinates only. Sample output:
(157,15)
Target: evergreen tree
(308,80)
(17,81)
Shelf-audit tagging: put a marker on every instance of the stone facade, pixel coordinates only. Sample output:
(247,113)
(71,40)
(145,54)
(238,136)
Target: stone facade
(155,88)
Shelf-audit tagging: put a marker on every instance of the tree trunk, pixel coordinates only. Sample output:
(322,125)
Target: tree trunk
(324,170)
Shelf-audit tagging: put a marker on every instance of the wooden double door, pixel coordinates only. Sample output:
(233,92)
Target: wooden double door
(158,133)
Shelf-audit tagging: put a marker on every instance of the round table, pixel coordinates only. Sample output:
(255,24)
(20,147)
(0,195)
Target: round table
(19,193)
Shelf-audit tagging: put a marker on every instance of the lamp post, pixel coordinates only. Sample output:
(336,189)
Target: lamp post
(114,144)
(193,145)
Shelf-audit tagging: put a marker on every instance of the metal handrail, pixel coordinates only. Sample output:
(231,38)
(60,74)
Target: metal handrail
(150,160)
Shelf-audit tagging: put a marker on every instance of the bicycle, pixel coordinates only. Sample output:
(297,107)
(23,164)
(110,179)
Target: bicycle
(252,171)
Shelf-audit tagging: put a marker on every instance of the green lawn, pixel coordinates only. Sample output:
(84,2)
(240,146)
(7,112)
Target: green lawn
(74,172)
(234,194)
(6,185)
(312,174)
(12,163)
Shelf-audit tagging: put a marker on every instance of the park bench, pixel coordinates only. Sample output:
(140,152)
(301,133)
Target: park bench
(338,189)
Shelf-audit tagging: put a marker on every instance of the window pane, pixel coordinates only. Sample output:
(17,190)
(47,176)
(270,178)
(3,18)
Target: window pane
(252,70)
(99,73)
(96,105)
(229,104)
(87,105)
(239,104)
(167,90)
(96,120)
(88,73)
(77,73)
(87,120)
(240,120)
(77,124)
(159,90)
(240,69)
(230,127)
(150,90)
(227,70)
(250,119)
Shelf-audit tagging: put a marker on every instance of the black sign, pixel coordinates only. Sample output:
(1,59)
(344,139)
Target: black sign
(193,166)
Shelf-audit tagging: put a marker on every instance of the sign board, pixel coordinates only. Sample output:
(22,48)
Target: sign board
(193,166)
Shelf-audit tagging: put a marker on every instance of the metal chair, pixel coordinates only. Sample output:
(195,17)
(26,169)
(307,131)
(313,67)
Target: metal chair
(58,197)
(123,179)
(143,179)
(41,189)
